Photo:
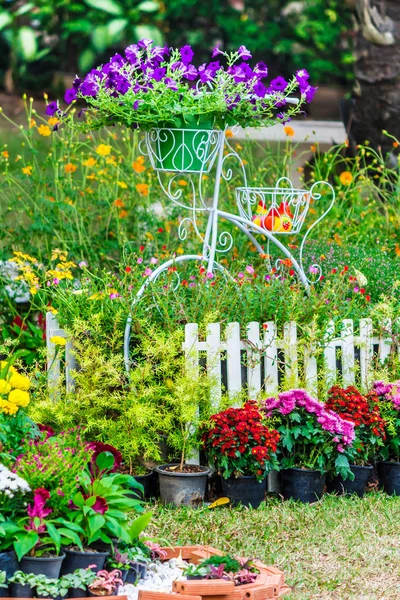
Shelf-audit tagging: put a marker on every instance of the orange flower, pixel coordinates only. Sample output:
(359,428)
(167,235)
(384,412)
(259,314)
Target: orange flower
(182,182)
(138,165)
(228,133)
(142,188)
(289,131)
(346,178)
(5,153)
(70,168)
(32,123)
(44,130)
(397,250)
(395,144)
(90,162)
(118,203)
(313,148)
(123,214)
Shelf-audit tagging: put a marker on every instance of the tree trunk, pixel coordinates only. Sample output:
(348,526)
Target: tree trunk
(376,99)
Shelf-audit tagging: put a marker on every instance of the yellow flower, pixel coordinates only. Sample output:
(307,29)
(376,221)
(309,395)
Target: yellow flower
(70,168)
(5,387)
(19,397)
(90,162)
(96,296)
(53,121)
(20,382)
(8,407)
(138,165)
(289,131)
(111,161)
(91,176)
(122,184)
(44,130)
(103,149)
(58,340)
(32,123)
(27,170)
(142,188)
(52,310)
(180,250)
(346,178)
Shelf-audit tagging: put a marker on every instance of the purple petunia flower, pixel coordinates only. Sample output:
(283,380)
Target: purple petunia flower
(190,73)
(135,105)
(51,108)
(90,86)
(247,70)
(309,93)
(158,73)
(283,117)
(237,73)
(259,89)
(261,70)
(279,84)
(244,53)
(118,59)
(70,95)
(186,54)
(205,73)
(216,51)
(178,65)
(144,43)
(171,84)
(302,78)
(131,53)
(76,83)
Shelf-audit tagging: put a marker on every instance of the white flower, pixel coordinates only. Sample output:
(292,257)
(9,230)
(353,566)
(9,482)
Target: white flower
(11,482)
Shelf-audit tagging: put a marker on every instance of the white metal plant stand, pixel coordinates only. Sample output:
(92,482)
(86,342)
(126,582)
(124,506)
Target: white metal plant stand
(275,212)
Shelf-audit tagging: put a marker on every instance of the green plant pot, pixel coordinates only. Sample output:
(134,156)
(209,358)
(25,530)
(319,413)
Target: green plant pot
(184,150)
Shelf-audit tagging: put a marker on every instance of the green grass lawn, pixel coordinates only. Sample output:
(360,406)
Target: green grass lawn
(337,548)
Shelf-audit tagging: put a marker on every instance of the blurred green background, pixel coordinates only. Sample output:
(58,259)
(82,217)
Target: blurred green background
(44,42)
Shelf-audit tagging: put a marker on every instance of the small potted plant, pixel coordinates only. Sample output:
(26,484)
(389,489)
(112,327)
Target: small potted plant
(78,581)
(242,449)
(3,585)
(51,588)
(313,441)
(98,513)
(389,453)
(119,561)
(37,542)
(106,583)
(370,434)
(161,90)
(240,571)
(22,585)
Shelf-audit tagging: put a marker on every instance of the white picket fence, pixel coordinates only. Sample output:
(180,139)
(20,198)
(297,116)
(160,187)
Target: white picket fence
(259,360)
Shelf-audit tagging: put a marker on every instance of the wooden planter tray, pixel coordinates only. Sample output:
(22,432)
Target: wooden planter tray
(269,584)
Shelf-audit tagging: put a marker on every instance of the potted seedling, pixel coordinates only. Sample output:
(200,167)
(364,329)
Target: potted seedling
(78,581)
(106,583)
(119,560)
(3,585)
(50,588)
(22,585)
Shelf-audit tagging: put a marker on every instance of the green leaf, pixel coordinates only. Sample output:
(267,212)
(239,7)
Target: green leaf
(25,8)
(115,27)
(5,19)
(105,461)
(25,542)
(95,523)
(86,59)
(149,32)
(108,6)
(55,536)
(148,6)
(139,525)
(100,38)
(27,44)
(78,500)
(70,536)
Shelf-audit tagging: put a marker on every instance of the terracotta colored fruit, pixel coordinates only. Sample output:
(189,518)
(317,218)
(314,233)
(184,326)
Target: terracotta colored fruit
(268,222)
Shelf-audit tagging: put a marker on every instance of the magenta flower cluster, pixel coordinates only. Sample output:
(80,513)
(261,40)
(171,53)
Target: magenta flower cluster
(390,391)
(287,402)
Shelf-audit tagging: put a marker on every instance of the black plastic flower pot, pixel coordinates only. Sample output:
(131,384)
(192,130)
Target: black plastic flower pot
(8,563)
(182,489)
(245,490)
(132,574)
(4,592)
(147,482)
(389,477)
(305,485)
(20,591)
(42,566)
(77,593)
(338,485)
(75,559)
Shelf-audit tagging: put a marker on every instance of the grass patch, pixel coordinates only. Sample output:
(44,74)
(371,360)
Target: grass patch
(338,548)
